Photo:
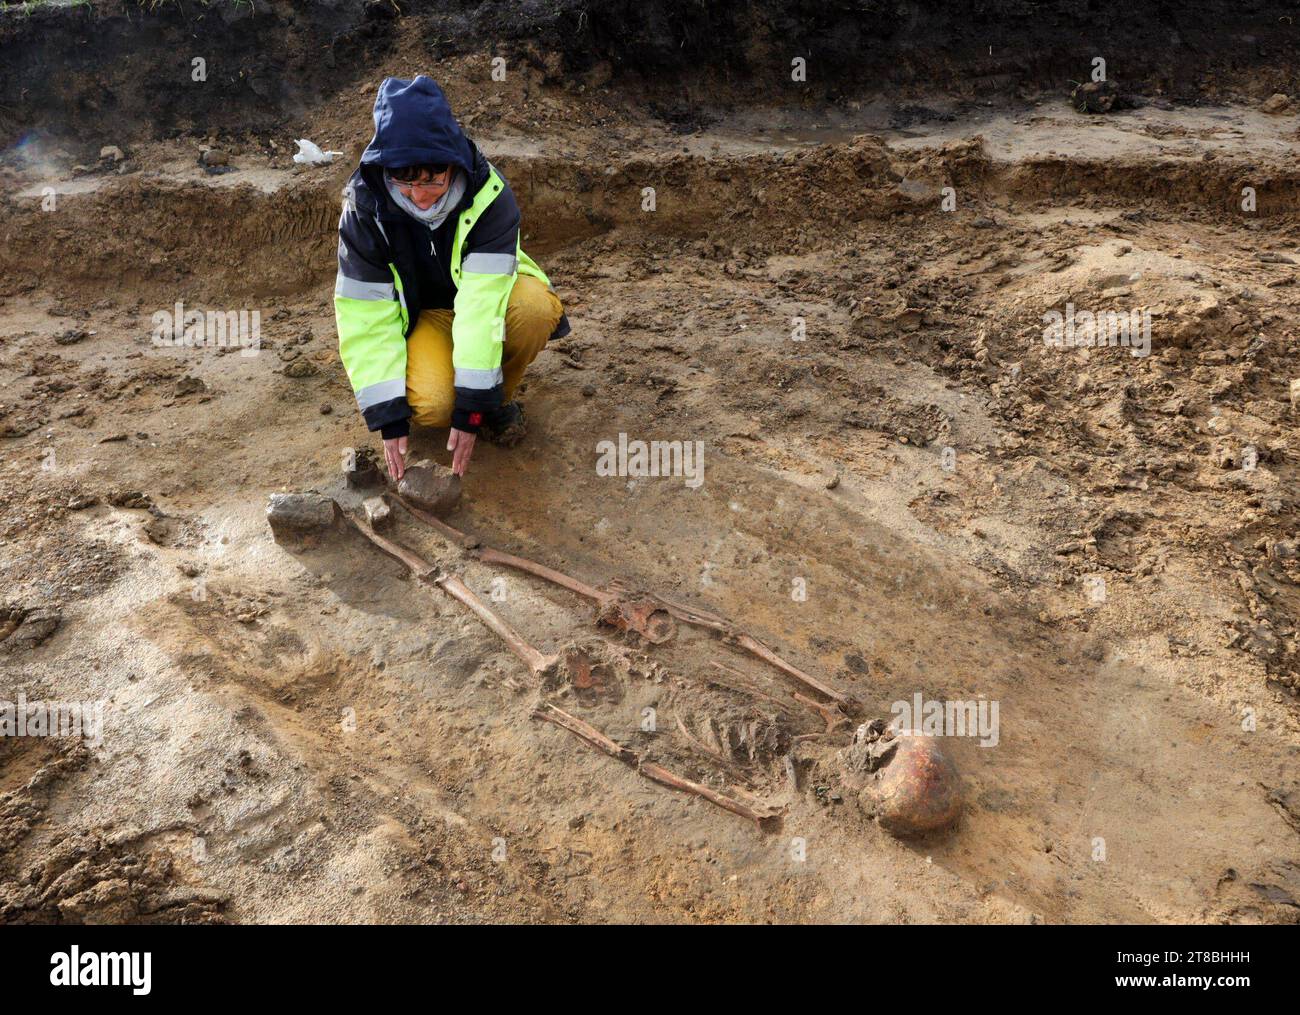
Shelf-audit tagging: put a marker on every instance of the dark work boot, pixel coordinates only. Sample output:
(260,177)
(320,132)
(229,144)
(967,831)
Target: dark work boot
(505,427)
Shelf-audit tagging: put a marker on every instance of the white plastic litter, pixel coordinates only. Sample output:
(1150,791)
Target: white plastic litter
(311,155)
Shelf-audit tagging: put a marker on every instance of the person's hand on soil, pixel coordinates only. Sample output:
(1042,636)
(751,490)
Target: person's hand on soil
(461,445)
(395,456)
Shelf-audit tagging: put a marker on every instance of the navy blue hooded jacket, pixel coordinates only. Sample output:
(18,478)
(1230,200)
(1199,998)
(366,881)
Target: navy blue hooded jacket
(414,125)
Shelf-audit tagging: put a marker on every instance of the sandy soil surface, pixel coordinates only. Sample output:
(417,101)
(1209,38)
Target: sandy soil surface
(908,492)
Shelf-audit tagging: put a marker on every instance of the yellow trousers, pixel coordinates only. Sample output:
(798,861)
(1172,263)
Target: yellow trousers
(531,318)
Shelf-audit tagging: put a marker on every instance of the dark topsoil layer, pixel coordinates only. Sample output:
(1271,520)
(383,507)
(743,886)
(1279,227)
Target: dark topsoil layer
(113,70)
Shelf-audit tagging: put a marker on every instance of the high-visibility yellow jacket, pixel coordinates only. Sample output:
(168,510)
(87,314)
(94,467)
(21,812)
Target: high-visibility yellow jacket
(391,265)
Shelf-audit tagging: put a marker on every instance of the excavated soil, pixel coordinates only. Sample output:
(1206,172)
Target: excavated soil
(905,489)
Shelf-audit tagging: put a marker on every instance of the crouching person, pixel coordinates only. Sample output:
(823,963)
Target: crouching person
(439,310)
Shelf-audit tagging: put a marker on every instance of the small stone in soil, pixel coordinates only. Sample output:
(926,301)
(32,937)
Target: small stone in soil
(431,486)
(360,469)
(27,627)
(377,512)
(295,515)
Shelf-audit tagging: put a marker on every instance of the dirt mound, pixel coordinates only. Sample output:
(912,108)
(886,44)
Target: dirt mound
(264,63)
(157,69)
(82,877)
(276,235)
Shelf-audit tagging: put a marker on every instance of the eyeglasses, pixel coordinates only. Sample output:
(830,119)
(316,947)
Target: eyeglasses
(438,181)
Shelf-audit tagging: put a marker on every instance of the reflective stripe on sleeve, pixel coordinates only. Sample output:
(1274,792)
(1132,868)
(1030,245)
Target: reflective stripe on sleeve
(384,391)
(355,289)
(490,264)
(480,380)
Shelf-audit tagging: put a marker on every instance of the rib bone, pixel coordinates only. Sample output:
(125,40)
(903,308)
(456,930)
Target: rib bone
(762,814)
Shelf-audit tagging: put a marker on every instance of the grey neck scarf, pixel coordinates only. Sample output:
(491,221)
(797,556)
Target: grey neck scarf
(436,213)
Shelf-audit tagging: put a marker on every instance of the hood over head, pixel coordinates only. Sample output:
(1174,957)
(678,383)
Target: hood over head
(414,125)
